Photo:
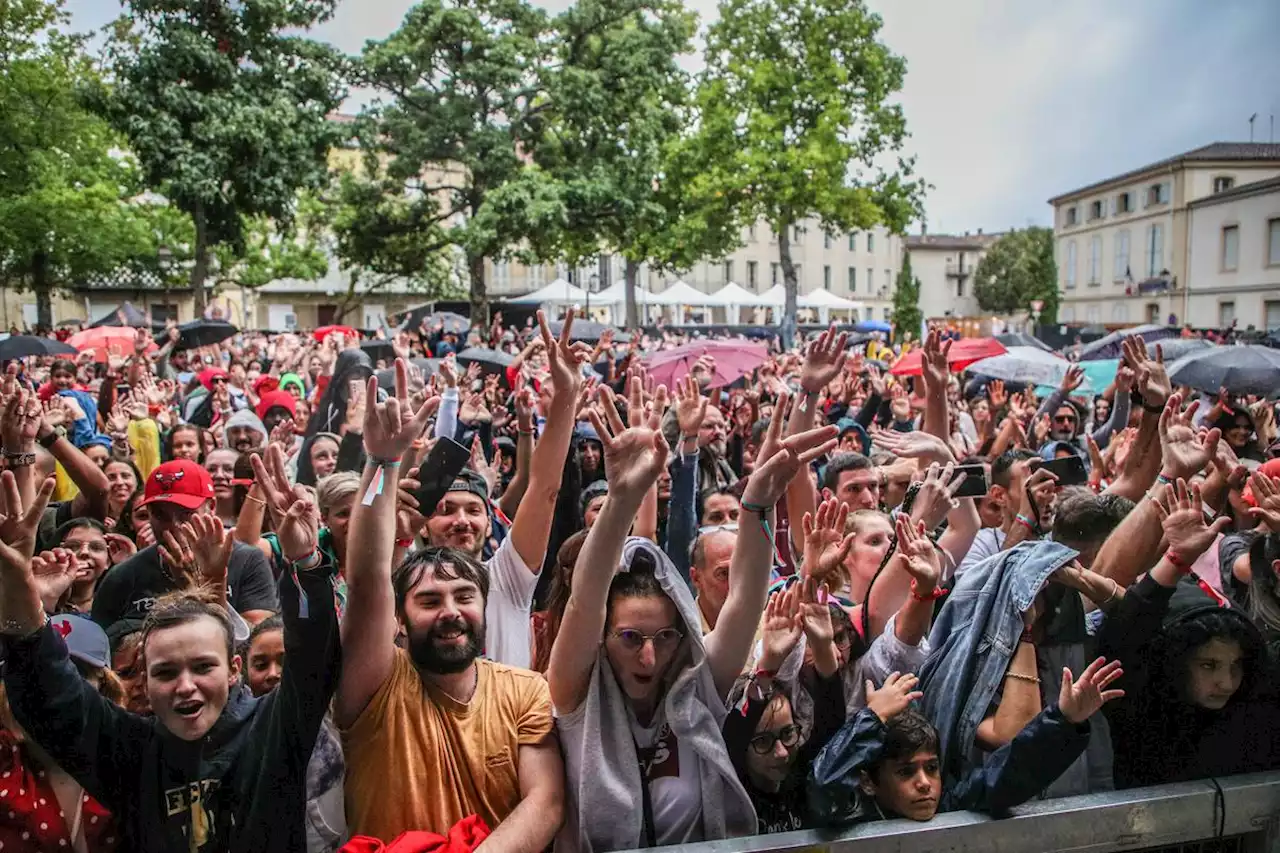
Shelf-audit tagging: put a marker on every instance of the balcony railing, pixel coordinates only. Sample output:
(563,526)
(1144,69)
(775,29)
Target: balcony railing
(1236,814)
(959,270)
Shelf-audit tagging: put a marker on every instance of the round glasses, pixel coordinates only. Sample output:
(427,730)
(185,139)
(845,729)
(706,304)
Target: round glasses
(633,641)
(788,736)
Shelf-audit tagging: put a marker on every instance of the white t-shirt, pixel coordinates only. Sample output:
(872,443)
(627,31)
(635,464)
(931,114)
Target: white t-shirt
(988,543)
(675,783)
(508,634)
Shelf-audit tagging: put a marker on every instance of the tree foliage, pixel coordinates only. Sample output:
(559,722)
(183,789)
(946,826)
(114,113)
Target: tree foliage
(907,316)
(225,107)
(64,191)
(797,121)
(1019,268)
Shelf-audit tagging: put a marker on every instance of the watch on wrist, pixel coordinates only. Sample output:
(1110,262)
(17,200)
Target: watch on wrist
(47,441)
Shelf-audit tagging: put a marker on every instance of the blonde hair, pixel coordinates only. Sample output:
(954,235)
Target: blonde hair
(336,489)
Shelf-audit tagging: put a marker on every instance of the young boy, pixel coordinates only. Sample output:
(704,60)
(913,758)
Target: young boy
(884,763)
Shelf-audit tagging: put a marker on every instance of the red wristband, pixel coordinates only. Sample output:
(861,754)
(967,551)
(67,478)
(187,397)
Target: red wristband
(153,409)
(1183,567)
(764,673)
(404,543)
(932,596)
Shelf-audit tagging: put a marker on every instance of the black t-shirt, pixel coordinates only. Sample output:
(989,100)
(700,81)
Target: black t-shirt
(131,588)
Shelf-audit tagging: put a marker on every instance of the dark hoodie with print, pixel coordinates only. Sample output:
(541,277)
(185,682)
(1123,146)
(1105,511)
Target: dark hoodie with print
(242,787)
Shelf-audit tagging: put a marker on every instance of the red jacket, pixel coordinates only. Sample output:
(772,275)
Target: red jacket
(464,836)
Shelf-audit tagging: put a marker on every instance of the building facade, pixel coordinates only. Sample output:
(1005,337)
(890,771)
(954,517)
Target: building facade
(1233,257)
(1124,244)
(945,265)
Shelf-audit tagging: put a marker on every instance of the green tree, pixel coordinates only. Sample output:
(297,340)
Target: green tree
(226,109)
(1019,268)
(906,316)
(64,188)
(797,120)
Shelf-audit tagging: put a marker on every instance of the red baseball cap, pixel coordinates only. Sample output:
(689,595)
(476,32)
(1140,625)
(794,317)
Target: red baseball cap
(180,482)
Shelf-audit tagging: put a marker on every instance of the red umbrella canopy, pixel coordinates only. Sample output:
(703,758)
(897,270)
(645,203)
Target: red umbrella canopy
(964,352)
(105,341)
(325,331)
(733,360)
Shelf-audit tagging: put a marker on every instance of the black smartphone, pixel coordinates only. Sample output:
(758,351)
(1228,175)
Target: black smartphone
(438,471)
(1069,470)
(975,483)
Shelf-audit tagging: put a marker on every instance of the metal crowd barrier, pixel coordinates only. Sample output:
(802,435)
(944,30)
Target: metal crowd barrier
(1238,814)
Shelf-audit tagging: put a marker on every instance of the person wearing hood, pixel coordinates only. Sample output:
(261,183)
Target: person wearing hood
(274,407)
(1065,418)
(245,433)
(640,712)
(1200,683)
(352,366)
(216,398)
(214,769)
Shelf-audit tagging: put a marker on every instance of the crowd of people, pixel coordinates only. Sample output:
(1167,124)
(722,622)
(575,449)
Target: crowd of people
(639,616)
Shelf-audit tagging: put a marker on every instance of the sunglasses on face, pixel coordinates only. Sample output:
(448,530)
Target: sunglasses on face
(1066,419)
(788,736)
(633,641)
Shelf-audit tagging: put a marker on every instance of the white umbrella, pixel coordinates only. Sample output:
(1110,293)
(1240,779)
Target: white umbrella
(680,294)
(1023,364)
(558,292)
(732,294)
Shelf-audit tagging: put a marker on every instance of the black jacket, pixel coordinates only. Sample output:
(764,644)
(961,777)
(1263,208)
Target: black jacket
(240,788)
(1012,775)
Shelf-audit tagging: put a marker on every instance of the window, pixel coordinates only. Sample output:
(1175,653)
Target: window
(1271,314)
(826,240)
(959,288)
(1231,248)
(161,313)
(728,271)
(1119,312)
(1067,314)
(1071,215)
(1095,261)
(1095,209)
(797,235)
(888,280)
(1120,272)
(1222,184)
(853,242)
(751,232)
(751,275)
(536,276)
(1155,250)
(773,273)
(1273,242)
(871,281)
(826,277)
(1226,314)
(853,279)
(1093,315)
(871,242)
(885,315)
(799,277)
(1071,264)
(1158,193)
(1124,203)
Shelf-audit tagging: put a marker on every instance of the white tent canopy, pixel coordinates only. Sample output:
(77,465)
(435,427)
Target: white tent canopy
(776,296)
(616,294)
(558,292)
(732,294)
(679,294)
(826,299)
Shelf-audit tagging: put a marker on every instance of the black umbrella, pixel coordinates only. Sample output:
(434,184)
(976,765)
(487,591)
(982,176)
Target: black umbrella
(22,346)
(1109,345)
(125,315)
(589,331)
(387,378)
(1175,348)
(204,333)
(378,349)
(490,360)
(1022,339)
(1240,369)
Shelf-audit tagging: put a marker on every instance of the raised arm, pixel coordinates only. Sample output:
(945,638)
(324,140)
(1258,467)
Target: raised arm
(531,527)
(510,500)
(822,364)
(778,463)
(369,626)
(633,460)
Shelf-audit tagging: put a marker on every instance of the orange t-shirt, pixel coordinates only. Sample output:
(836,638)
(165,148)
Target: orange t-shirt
(418,759)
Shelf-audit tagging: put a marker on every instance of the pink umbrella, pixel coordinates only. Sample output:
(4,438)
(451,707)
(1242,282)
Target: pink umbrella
(734,359)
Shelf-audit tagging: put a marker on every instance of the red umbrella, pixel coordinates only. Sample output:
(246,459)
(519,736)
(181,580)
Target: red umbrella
(325,331)
(105,341)
(964,352)
(734,359)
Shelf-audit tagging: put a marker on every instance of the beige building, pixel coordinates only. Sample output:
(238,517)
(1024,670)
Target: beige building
(1123,244)
(1233,258)
(945,265)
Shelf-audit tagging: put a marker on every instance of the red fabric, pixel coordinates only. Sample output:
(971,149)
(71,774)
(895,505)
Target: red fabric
(265,383)
(464,836)
(271,399)
(1270,468)
(207,376)
(107,340)
(963,353)
(32,820)
(325,331)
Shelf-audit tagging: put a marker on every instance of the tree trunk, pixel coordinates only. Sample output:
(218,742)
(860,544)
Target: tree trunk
(789,283)
(44,290)
(348,300)
(633,309)
(200,265)
(479,296)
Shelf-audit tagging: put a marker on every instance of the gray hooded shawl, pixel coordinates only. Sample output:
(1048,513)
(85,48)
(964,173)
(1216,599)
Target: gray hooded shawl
(605,800)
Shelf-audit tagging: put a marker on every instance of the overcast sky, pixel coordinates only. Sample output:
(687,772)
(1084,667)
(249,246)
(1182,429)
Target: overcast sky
(1012,101)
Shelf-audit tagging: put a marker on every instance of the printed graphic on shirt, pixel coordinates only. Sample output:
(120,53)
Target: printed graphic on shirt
(662,760)
(192,798)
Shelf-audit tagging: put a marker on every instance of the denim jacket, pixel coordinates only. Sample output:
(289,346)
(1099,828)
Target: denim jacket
(974,638)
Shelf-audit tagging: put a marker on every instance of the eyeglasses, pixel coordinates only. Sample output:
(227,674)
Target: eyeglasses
(633,641)
(788,736)
(1070,419)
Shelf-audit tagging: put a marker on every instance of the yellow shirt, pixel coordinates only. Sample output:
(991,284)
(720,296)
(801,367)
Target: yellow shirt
(417,759)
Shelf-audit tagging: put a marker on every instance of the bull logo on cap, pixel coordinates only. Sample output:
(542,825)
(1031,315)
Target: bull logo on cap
(167,480)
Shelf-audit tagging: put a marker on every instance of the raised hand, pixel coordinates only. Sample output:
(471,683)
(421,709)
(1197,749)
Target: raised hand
(283,435)
(120,548)
(1036,500)
(914,445)
(1185,452)
(1079,699)
(118,422)
(785,459)
(563,361)
(824,360)
(176,551)
(210,545)
(1153,381)
(923,561)
(691,407)
(481,465)
(292,507)
(826,546)
(54,573)
(18,527)
(782,627)
(815,615)
(390,426)
(1071,380)
(1266,494)
(524,404)
(634,457)
(1094,586)
(897,694)
(996,394)
(936,496)
(933,362)
(1182,517)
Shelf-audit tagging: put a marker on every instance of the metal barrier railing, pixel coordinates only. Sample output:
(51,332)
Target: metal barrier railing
(1236,813)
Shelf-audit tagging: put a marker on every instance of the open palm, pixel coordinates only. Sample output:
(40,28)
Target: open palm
(1182,517)
(826,546)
